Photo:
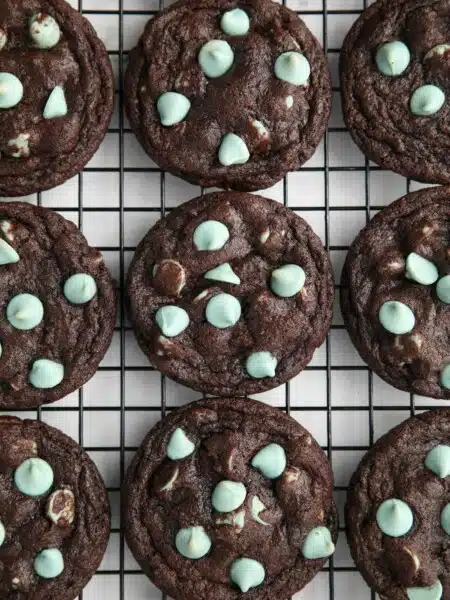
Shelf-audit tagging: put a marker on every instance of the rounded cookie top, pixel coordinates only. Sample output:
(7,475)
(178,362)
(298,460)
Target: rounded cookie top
(228,497)
(395,86)
(231,294)
(56,94)
(54,522)
(229,94)
(398,511)
(57,306)
(396,293)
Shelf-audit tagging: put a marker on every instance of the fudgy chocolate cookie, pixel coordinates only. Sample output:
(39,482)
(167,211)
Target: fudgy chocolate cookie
(57,303)
(231,294)
(395,297)
(228,93)
(54,521)
(56,94)
(395,66)
(228,497)
(398,511)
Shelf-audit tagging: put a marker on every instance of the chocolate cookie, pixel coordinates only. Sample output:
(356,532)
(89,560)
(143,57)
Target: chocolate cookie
(228,93)
(231,294)
(227,496)
(395,297)
(56,94)
(398,511)
(57,303)
(54,524)
(395,66)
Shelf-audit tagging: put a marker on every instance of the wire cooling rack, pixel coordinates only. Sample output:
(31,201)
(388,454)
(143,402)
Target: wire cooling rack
(119,196)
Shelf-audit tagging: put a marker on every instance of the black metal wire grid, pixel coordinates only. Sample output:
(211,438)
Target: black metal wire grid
(339,574)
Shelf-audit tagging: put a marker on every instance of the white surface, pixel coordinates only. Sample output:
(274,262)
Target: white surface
(345,392)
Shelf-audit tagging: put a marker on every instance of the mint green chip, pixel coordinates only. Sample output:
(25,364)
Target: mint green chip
(49,563)
(172,320)
(396,317)
(421,269)
(394,518)
(235,22)
(247,573)
(215,58)
(443,289)
(427,100)
(193,542)
(34,477)
(261,364)
(292,67)
(393,58)
(223,310)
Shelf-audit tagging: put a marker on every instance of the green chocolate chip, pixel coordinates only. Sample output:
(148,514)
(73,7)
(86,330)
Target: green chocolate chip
(223,310)
(211,235)
(25,312)
(292,67)
(44,31)
(431,592)
(49,563)
(235,22)
(34,477)
(233,150)
(215,58)
(223,273)
(172,108)
(80,288)
(289,101)
(172,320)
(445,377)
(287,281)
(46,374)
(394,518)
(443,289)
(427,100)
(396,317)
(56,105)
(393,58)
(270,460)
(318,544)
(438,461)
(420,269)
(7,254)
(179,445)
(261,364)
(247,573)
(11,90)
(445,519)
(2,533)
(193,542)
(257,507)
(228,496)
